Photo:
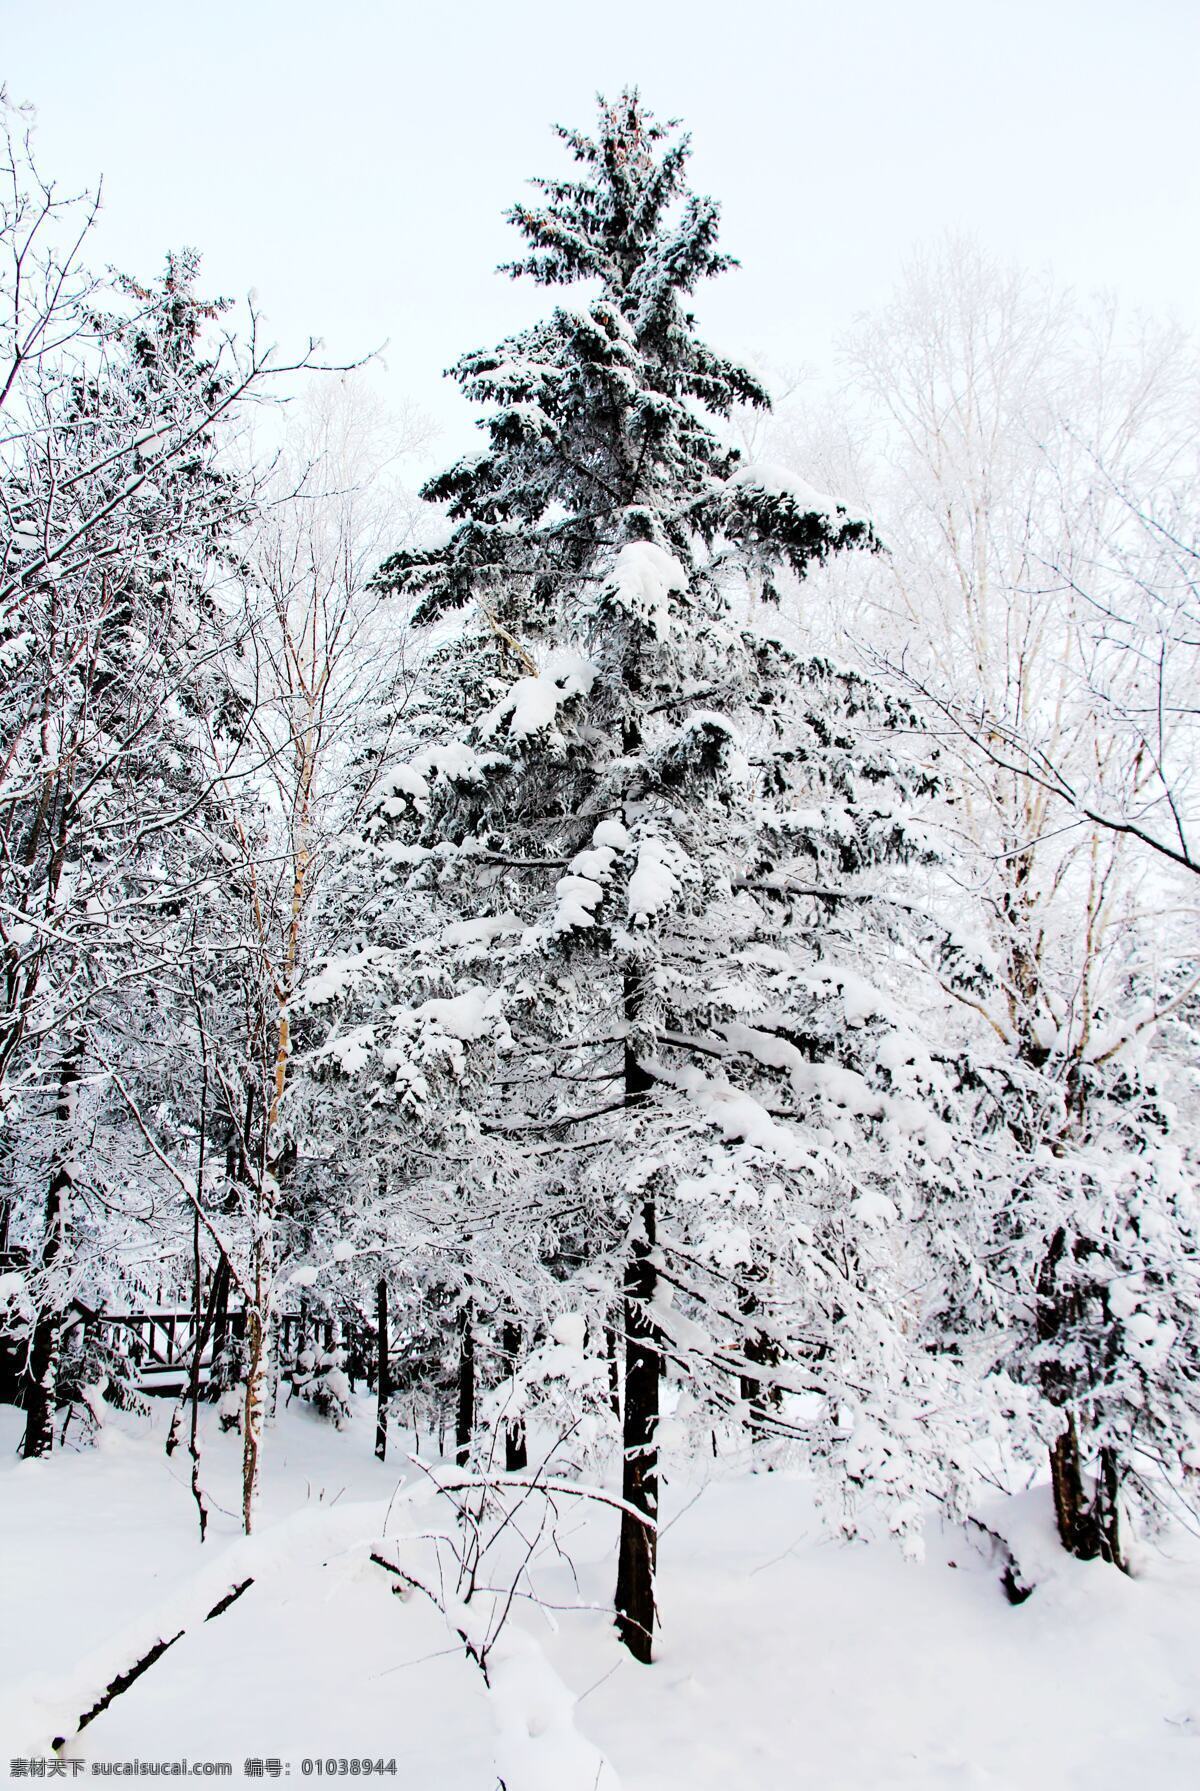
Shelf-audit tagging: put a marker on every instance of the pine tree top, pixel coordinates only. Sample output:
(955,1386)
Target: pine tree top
(603,419)
(615,221)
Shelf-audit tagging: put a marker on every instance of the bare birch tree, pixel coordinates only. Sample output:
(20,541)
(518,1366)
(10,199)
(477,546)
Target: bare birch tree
(998,405)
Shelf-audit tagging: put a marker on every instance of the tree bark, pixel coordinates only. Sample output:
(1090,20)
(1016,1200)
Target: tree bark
(256,1363)
(614,1370)
(144,1662)
(202,1318)
(516,1455)
(637,1550)
(1070,1497)
(758,1394)
(464,1427)
(40,1377)
(1089,1523)
(220,1327)
(383,1389)
(1106,1510)
(42,1371)
(1087,1516)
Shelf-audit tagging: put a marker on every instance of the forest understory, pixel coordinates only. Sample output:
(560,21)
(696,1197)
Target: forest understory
(785,1659)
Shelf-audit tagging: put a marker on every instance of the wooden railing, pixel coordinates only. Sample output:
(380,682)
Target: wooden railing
(160,1347)
(157,1348)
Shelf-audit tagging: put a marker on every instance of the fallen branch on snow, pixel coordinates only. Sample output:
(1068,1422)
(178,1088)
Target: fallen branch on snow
(123,1681)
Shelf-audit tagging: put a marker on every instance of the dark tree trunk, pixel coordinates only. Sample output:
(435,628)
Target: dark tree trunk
(757,1391)
(614,1370)
(464,1428)
(219,1301)
(40,1375)
(516,1455)
(203,1317)
(383,1389)
(1087,1516)
(1066,1468)
(760,1396)
(1105,1505)
(639,1482)
(1071,1504)
(637,1552)
(42,1370)
(1089,1523)
(204,1326)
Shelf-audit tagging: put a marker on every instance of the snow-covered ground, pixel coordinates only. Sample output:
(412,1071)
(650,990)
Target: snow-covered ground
(786,1660)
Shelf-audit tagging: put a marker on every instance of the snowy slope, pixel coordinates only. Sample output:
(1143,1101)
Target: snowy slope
(786,1660)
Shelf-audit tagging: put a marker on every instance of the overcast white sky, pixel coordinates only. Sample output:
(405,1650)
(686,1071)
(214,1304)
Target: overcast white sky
(350,162)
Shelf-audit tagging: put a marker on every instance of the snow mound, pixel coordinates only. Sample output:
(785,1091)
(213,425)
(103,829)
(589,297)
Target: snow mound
(538,1747)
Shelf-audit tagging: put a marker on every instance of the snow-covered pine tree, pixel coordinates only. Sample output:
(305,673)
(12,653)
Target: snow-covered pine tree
(667,860)
(452,1219)
(112,693)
